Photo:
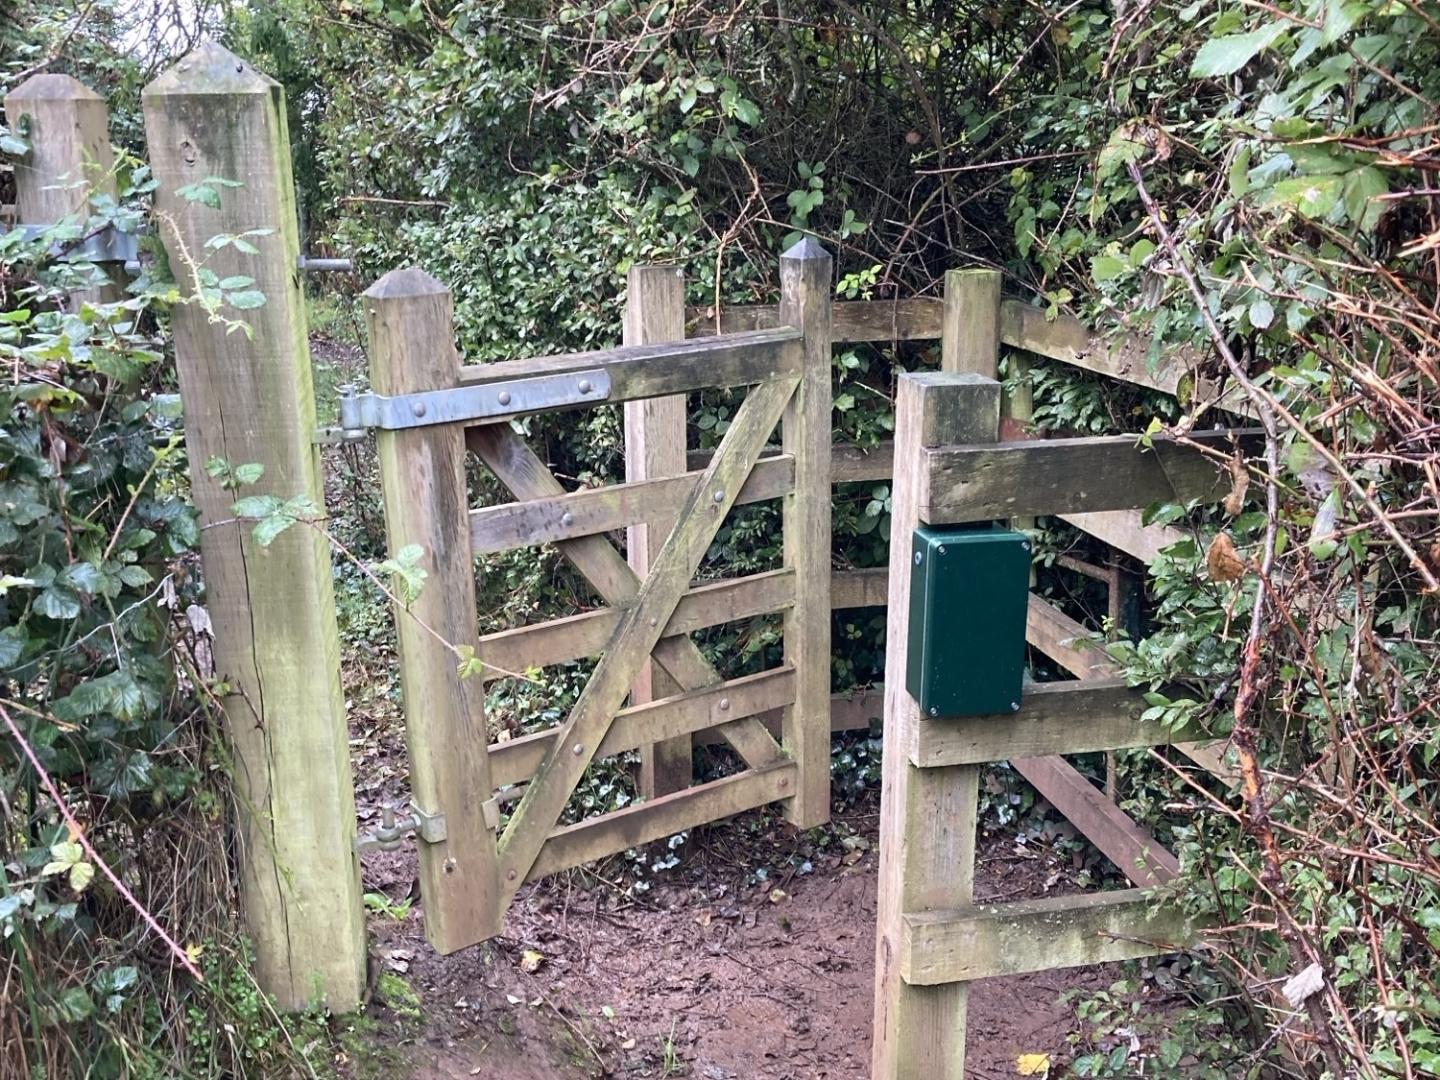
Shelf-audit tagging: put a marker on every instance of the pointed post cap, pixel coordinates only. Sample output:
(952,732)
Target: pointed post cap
(807,247)
(403,283)
(210,68)
(52,88)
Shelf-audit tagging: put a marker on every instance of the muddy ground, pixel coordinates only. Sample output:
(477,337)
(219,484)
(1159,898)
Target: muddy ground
(715,976)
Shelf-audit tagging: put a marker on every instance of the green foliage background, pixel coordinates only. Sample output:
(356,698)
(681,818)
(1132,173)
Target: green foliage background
(530,152)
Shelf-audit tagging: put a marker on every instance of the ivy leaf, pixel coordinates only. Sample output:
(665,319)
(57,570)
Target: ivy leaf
(58,602)
(1262,314)
(1227,55)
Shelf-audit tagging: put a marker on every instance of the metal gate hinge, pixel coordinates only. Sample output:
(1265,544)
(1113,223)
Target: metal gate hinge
(492,401)
(426,827)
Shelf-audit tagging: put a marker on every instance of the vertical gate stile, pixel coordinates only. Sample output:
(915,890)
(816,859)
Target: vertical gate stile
(409,316)
(928,815)
(805,302)
(655,447)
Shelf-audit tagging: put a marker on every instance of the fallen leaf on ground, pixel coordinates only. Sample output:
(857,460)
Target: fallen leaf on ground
(530,961)
(1033,1064)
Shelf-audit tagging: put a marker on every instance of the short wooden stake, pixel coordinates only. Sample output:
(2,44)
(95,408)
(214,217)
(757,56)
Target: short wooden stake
(927,815)
(970,330)
(411,321)
(806,272)
(249,399)
(69,161)
(655,447)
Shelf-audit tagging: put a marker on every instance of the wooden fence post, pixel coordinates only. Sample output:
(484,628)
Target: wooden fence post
(655,447)
(805,302)
(249,399)
(70,159)
(970,330)
(411,321)
(927,815)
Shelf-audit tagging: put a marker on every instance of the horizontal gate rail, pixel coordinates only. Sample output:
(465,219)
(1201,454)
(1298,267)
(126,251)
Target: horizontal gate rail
(516,761)
(913,319)
(646,371)
(988,940)
(512,652)
(1054,718)
(1084,475)
(639,823)
(508,526)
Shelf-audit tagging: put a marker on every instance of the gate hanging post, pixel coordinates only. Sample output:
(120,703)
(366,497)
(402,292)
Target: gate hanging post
(928,815)
(249,398)
(806,273)
(655,447)
(70,159)
(411,323)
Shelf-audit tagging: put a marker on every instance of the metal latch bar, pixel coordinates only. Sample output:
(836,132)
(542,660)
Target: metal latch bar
(492,401)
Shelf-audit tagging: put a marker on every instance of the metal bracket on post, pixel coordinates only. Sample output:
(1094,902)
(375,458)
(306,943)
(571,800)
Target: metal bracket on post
(360,413)
(426,827)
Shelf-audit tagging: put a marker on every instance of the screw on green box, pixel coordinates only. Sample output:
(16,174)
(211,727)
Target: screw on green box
(969,591)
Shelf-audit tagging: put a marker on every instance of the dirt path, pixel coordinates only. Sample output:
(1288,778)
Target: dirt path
(711,978)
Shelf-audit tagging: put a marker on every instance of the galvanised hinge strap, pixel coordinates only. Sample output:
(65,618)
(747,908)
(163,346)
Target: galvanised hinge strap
(492,401)
(427,827)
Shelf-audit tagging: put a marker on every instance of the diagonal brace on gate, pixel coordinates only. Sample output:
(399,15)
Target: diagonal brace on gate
(640,629)
(520,469)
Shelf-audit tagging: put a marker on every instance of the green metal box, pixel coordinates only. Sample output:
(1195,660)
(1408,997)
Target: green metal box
(969,591)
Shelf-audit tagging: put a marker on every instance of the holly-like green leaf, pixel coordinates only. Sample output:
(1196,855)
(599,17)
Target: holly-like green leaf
(1227,55)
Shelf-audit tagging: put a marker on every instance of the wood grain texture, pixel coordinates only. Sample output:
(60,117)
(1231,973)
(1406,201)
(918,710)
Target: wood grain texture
(927,816)
(913,319)
(1054,718)
(70,160)
(520,470)
(987,940)
(250,399)
(806,273)
(646,371)
(513,652)
(654,448)
(639,630)
(410,319)
(859,588)
(970,334)
(508,526)
(1062,476)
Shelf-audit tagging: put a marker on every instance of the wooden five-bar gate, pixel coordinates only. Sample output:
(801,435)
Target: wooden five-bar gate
(427,409)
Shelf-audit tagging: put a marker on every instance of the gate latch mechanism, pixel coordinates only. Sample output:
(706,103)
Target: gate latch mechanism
(429,828)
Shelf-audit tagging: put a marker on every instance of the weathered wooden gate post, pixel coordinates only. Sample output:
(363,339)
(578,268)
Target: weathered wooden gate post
(806,284)
(70,159)
(655,447)
(927,815)
(411,320)
(249,399)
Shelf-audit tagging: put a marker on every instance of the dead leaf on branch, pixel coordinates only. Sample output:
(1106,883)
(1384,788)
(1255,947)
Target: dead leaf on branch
(1223,562)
